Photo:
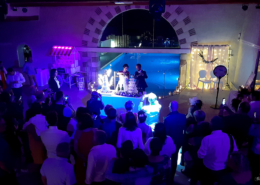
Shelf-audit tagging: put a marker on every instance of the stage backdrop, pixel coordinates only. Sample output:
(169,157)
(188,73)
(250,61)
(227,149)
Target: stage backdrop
(210,53)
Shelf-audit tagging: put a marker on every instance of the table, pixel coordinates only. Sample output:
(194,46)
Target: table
(118,102)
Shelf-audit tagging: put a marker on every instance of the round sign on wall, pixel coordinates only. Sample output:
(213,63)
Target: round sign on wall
(220,71)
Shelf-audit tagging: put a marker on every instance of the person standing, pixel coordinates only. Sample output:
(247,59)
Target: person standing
(15,80)
(123,78)
(175,125)
(28,68)
(140,76)
(53,82)
(3,72)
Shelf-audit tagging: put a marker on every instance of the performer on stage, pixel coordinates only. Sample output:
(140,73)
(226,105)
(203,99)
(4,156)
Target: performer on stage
(123,78)
(140,76)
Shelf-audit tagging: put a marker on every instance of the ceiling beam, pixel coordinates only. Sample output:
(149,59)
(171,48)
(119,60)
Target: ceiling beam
(37,3)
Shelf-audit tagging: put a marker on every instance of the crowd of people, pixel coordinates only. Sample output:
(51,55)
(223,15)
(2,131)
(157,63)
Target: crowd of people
(68,146)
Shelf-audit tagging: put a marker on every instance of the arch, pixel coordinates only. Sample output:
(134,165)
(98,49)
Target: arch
(175,15)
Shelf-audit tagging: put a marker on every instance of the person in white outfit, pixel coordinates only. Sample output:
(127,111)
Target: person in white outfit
(123,79)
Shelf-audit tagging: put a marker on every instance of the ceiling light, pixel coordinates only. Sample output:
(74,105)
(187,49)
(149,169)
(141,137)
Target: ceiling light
(120,3)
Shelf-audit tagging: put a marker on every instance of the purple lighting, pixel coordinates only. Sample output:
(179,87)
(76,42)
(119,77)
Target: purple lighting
(66,48)
(59,47)
(62,47)
(70,47)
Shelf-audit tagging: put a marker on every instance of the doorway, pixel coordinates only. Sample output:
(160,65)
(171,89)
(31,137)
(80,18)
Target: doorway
(24,52)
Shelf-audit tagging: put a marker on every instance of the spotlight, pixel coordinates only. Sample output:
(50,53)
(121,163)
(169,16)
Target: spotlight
(245,7)
(257,6)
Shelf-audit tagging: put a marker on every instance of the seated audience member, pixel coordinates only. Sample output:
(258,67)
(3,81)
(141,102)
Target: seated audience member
(130,131)
(7,174)
(132,173)
(214,150)
(53,82)
(168,147)
(58,171)
(111,127)
(34,127)
(146,130)
(99,158)
(59,107)
(107,107)
(238,124)
(52,137)
(255,105)
(241,174)
(175,124)
(158,162)
(129,106)
(83,142)
(254,151)
(95,105)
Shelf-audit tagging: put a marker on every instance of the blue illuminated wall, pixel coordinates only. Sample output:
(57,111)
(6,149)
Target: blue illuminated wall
(155,65)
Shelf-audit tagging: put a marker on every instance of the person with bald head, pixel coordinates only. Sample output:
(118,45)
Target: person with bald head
(175,126)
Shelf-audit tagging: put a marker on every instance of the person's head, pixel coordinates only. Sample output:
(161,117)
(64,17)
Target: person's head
(100,137)
(36,108)
(139,159)
(63,150)
(243,108)
(199,115)
(52,118)
(216,123)
(112,114)
(94,95)
(59,96)
(2,125)
(130,122)
(235,103)
(81,111)
(256,95)
(126,149)
(107,107)
(125,67)
(53,73)
(160,132)
(173,106)
(199,104)
(238,162)
(10,71)
(138,67)
(85,121)
(129,105)
(40,96)
(67,112)
(156,146)
(3,108)
(142,116)
(30,59)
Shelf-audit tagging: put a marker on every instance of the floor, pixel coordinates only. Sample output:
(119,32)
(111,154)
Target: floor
(79,98)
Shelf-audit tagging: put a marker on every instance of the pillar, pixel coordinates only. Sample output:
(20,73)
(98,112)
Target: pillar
(94,66)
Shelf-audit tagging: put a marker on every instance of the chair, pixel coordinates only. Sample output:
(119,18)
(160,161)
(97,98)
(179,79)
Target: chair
(214,79)
(202,78)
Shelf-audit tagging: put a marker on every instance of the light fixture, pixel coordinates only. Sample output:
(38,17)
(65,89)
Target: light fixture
(245,7)
(121,2)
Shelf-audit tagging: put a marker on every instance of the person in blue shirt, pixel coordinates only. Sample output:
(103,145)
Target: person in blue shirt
(28,68)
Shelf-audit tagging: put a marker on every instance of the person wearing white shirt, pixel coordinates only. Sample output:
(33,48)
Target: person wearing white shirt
(57,171)
(15,80)
(98,159)
(215,150)
(53,136)
(131,132)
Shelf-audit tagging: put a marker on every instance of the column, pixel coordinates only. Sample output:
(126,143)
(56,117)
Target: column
(94,66)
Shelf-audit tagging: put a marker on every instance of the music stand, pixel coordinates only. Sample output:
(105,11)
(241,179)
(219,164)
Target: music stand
(219,71)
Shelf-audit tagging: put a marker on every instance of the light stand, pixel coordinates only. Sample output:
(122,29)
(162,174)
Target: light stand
(216,104)
(229,57)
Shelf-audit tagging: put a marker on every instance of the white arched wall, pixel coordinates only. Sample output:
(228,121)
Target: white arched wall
(175,15)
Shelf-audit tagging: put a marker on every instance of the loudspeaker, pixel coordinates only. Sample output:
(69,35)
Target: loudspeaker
(3,10)
(156,8)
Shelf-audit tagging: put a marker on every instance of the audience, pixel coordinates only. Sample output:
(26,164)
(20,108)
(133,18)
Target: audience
(58,171)
(130,131)
(111,127)
(98,159)
(168,147)
(52,137)
(107,107)
(129,106)
(215,150)
(175,125)
(146,130)
(255,105)
(83,142)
